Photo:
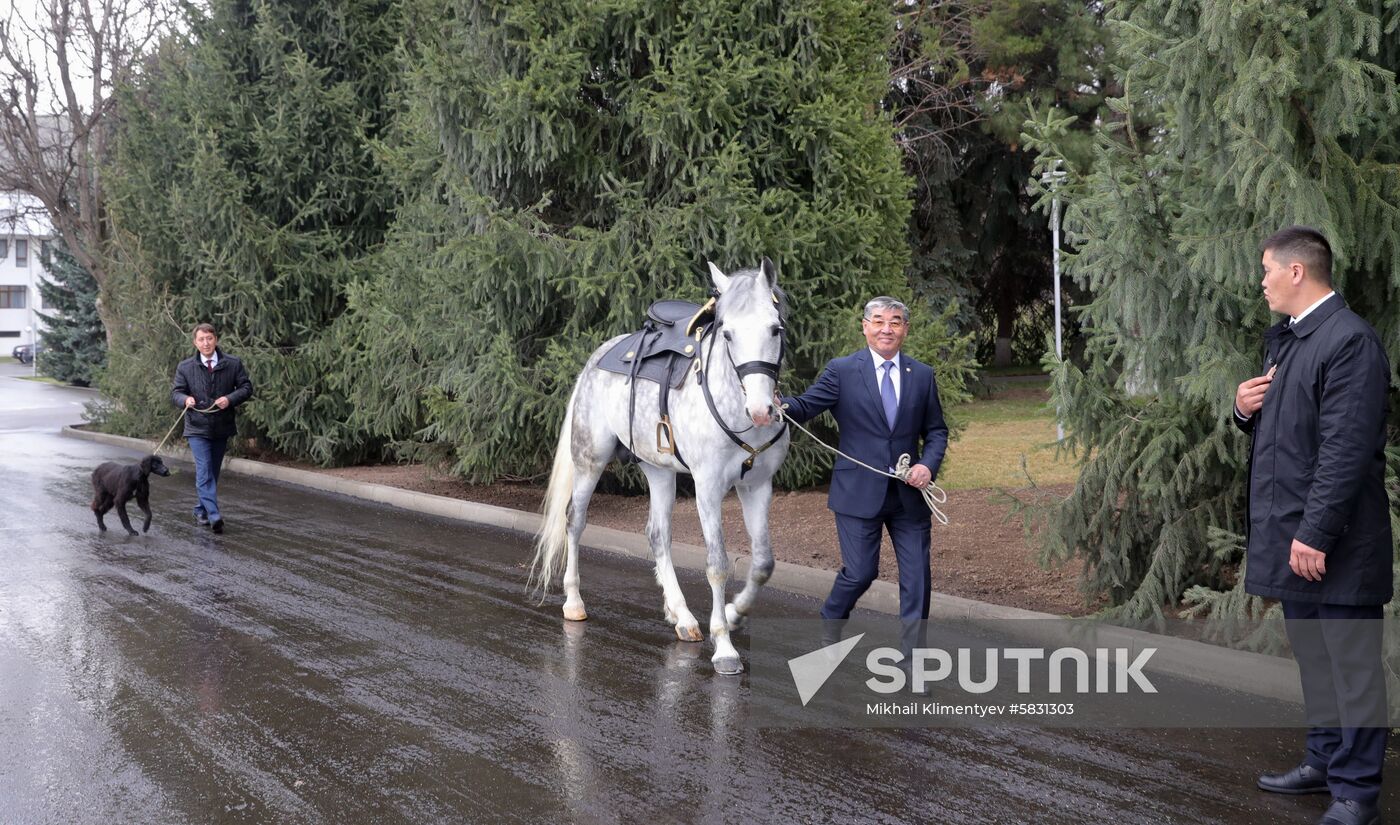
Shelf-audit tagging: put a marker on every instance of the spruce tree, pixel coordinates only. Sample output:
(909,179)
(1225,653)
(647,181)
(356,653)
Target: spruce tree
(247,192)
(1235,120)
(566,163)
(75,345)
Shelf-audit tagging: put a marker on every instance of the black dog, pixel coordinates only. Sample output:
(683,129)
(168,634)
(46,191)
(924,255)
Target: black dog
(116,484)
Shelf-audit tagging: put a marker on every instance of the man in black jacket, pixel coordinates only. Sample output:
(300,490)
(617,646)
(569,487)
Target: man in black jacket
(1319,519)
(209,380)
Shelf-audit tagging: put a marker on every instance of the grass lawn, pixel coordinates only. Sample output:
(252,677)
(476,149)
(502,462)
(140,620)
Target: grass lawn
(5,359)
(1014,424)
(43,379)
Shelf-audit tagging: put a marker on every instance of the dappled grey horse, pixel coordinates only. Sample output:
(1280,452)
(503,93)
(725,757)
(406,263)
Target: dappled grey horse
(721,428)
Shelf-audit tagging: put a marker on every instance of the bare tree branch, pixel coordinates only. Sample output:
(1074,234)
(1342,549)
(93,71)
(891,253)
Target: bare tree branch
(59,60)
(934,94)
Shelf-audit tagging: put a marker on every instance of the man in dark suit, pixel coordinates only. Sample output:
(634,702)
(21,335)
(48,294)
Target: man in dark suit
(1319,519)
(209,380)
(886,404)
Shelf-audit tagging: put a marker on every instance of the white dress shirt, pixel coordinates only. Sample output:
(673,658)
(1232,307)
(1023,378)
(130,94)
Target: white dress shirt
(880,372)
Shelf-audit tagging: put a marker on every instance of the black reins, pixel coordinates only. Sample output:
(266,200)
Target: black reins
(768,368)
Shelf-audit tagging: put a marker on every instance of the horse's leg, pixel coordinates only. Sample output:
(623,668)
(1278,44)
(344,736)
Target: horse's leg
(584,482)
(755,499)
(709,495)
(662,484)
(591,449)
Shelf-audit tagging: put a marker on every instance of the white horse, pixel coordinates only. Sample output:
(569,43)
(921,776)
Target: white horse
(731,440)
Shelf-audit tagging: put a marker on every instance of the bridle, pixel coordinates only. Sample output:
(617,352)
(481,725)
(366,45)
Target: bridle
(768,368)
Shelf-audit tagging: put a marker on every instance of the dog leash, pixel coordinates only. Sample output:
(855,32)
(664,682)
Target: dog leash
(178,419)
(933,494)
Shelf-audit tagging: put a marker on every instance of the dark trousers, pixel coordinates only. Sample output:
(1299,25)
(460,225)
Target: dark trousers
(860,558)
(1338,648)
(208,460)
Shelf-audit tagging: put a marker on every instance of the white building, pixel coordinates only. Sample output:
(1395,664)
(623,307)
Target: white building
(25,236)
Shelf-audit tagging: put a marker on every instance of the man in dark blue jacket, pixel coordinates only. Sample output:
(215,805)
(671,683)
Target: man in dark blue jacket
(886,404)
(213,381)
(1319,518)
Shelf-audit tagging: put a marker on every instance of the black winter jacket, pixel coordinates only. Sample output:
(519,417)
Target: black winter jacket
(228,379)
(1317,464)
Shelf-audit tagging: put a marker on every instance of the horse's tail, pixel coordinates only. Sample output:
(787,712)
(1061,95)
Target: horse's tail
(553,538)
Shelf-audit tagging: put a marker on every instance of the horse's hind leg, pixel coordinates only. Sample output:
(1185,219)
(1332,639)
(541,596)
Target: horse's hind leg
(755,499)
(591,453)
(662,484)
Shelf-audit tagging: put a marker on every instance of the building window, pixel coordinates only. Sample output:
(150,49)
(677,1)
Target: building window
(12,297)
(21,252)
(4,248)
(9,333)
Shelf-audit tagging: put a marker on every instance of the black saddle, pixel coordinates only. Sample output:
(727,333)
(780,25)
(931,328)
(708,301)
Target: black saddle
(661,352)
(665,346)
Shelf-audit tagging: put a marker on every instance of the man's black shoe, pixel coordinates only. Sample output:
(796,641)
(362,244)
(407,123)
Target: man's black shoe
(218,527)
(1302,779)
(202,520)
(1351,812)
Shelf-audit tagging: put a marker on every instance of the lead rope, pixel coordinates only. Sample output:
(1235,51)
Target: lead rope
(933,494)
(178,419)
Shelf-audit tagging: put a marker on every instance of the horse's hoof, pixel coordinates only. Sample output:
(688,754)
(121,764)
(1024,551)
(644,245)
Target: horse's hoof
(728,666)
(689,633)
(733,619)
(575,613)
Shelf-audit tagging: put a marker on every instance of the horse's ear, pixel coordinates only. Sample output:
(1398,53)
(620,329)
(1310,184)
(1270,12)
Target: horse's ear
(770,271)
(717,275)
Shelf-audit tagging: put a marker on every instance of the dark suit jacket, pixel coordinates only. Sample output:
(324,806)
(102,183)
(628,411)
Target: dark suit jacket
(849,389)
(1317,464)
(228,379)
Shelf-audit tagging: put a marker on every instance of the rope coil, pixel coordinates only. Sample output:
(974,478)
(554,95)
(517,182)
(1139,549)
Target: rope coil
(933,494)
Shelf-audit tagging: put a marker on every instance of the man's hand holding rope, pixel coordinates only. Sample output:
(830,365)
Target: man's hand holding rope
(915,475)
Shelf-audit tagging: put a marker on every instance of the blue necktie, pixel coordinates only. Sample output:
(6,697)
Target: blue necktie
(887,394)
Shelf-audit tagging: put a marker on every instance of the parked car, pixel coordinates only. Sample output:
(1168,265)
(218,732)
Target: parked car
(25,353)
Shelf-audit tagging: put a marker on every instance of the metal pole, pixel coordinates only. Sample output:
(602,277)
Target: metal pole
(1055,256)
(1052,179)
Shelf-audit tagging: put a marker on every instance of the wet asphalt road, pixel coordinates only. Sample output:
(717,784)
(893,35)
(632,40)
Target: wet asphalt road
(331,661)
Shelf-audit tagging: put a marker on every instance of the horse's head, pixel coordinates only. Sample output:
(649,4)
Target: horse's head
(749,317)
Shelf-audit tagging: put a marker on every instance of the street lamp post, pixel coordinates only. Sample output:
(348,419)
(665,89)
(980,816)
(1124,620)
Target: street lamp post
(33,349)
(1051,179)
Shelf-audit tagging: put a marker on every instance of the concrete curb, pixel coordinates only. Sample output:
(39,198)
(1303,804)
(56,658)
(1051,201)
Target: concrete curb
(1268,676)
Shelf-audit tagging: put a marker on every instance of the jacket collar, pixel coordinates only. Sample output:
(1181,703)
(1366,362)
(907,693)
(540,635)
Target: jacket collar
(1315,319)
